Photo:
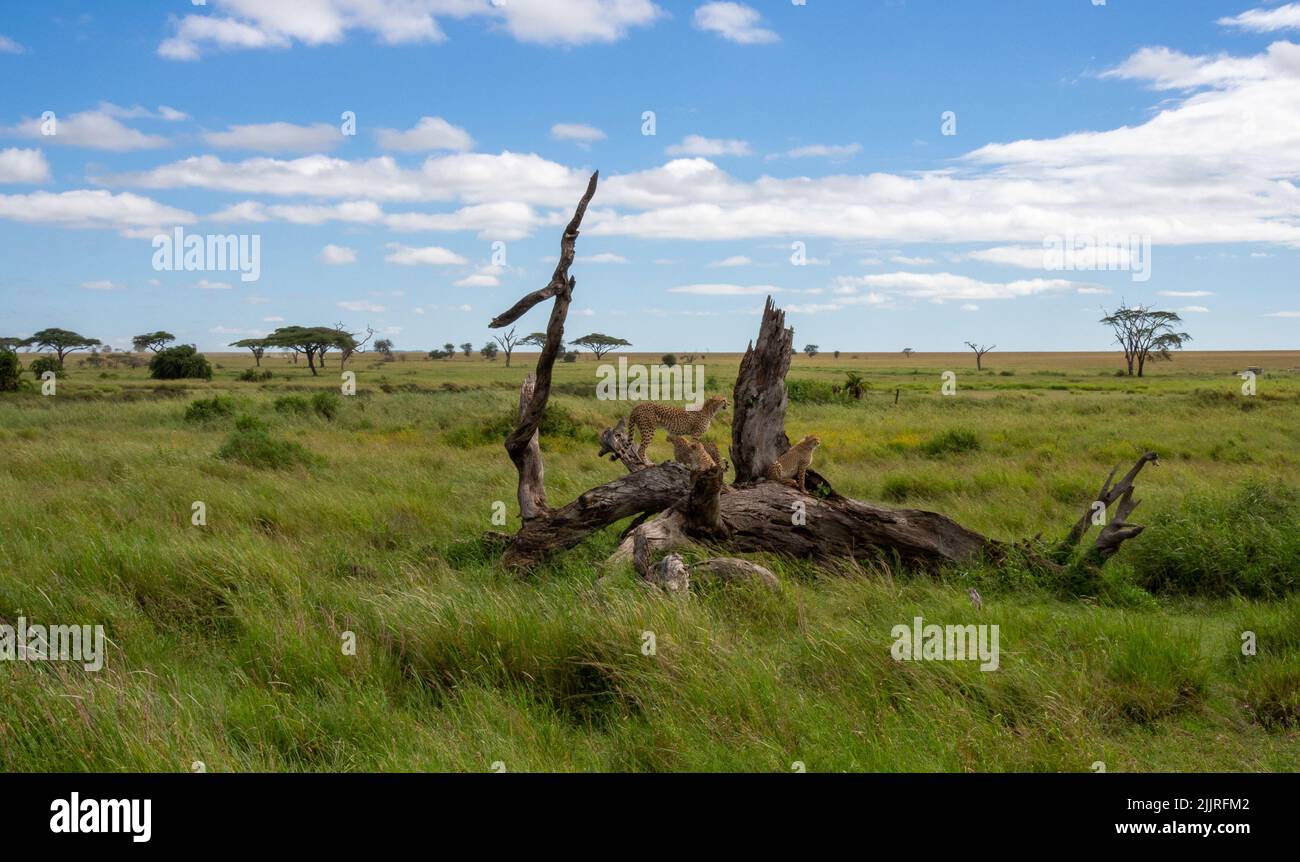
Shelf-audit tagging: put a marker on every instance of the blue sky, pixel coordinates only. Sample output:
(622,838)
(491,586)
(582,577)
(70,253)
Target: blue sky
(1170,123)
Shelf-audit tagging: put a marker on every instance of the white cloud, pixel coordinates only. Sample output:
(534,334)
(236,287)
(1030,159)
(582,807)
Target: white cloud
(251,24)
(970,306)
(1284,314)
(361,305)
(86,208)
(824,151)
(1285,17)
(428,256)
(911,261)
(92,130)
(735,22)
(725,289)
(697,145)
(103,284)
(336,255)
(277,138)
(136,112)
(485,276)
(9,46)
(273,319)
(23,166)
(580,133)
(1185,293)
(734,260)
(945,286)
(205,284)
(603,257)
(1193,309)
(430,133)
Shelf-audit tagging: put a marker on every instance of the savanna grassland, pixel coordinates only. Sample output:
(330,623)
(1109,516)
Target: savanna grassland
(366,514)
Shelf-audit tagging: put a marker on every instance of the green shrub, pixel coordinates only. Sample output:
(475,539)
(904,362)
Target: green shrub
(951,442)
(180,363)
(206,409)
(292,404)
(326,404)
(1242,543)
(254,375)
(42,364)
(556,422)
(811,392)
(255,447)
(11,368)
(249,423)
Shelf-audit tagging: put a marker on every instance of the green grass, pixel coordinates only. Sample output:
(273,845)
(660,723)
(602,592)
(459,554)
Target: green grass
(328,514)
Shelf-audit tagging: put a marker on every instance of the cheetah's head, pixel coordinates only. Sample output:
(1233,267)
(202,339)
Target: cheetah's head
(812,441)
(714,404)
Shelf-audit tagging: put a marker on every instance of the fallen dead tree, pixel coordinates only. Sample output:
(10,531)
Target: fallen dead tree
(674,507)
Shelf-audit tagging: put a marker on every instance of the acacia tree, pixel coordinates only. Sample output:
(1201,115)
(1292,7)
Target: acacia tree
(151,341)
(467,349)
(314,341)
(508,341)
(1145,333)
(256,345)
(536,339)
(61,341)
(385,346)
(600,344)
(979,353)
(811,350)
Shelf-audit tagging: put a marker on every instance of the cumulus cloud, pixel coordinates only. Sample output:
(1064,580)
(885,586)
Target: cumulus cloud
(255,24)
(337,255)
(23,166)
(579,133)
(824,151)
(9,46)
(697,145)
(103,284)
(427,256)
(1285,17)
(92,130)
(430,133)
(725,289)
(277,138)
(86,208)
(734,22)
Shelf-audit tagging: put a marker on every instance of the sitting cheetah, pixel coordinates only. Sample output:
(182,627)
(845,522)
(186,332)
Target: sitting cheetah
(691,453)
(792,466)
(647,417)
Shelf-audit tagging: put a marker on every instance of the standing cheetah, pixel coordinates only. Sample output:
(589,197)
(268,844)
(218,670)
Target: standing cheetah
(647,417)
(792,466)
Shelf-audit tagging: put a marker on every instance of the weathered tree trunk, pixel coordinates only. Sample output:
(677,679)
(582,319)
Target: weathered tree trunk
(676,507)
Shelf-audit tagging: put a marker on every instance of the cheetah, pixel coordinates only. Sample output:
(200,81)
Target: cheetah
(648,416)
(691,453)
(792,466)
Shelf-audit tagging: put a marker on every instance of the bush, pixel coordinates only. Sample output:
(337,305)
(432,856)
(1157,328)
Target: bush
(206,409)
(556,422)
(951,443)
(255,447)
(326,404)
(1245,543)
(669,359)
(571,356)
(11,368)
(180,363)
(292,404)
(42,364)
(254,375)
(811,392)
